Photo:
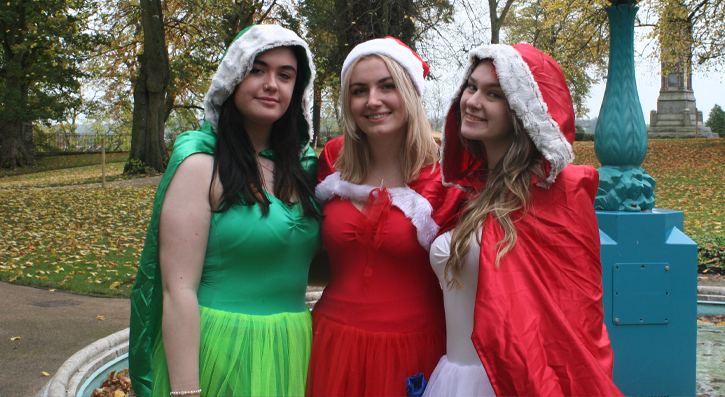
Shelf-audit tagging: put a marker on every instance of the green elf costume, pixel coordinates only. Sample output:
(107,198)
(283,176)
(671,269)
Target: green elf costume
(255,327)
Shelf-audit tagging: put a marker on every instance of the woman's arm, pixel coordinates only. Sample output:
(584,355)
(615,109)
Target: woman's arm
(183,233)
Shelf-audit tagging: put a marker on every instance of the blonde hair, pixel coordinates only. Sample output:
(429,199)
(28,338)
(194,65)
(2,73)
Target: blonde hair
(419,149)
(508,189)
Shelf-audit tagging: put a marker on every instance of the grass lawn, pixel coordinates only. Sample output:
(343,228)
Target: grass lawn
(690,177)
(88,240)
(46,163)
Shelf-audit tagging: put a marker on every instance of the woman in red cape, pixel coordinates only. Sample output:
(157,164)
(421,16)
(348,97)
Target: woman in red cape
(521,271)
(380,320)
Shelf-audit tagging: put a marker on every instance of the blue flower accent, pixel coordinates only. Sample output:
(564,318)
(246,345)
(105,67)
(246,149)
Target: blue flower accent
(415,385)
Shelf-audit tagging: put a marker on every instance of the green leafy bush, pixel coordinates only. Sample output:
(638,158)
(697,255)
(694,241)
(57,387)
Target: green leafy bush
(716,121)
(136,166)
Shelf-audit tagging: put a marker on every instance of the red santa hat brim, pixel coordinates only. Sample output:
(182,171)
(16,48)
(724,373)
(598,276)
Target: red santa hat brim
(395,49)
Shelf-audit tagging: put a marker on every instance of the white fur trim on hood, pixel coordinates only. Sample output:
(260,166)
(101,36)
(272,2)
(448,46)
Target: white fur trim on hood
(238,61)
(524,73)
(413,205)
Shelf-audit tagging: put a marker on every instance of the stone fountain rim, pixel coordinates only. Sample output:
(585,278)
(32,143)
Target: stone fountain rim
(76,370)
(79,367)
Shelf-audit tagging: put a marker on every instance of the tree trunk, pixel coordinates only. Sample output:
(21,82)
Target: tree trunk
(497,20)
(149,94)
(14,135)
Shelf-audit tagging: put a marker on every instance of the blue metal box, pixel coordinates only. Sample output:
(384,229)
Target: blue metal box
(649,274)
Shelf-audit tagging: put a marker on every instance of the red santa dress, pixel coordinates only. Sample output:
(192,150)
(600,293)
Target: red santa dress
(380,319)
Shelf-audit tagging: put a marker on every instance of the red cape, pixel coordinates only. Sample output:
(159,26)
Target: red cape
(539,321)
(445,201)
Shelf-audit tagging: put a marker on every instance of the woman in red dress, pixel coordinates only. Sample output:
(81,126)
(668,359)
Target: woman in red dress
(380,319)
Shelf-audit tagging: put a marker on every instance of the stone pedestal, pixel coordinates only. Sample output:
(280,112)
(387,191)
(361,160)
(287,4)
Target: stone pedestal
(677,117)
(649,275)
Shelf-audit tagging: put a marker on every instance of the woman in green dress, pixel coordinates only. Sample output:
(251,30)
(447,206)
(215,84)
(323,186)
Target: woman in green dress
(218,307)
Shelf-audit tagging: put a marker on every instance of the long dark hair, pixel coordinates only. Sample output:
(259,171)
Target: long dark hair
(235,158)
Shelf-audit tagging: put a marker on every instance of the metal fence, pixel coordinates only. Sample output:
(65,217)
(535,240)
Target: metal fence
(66,142)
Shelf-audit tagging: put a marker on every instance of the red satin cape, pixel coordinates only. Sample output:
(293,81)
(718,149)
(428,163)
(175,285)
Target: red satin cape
(538,320)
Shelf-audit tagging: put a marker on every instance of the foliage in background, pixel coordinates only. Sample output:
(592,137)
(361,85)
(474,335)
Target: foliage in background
(136,166)
(573,32)
(693,29)
(197,33)
(43,45)
(57,138)
(716,121)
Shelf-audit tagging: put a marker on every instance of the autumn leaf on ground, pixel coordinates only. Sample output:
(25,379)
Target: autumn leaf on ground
(102,318)
(15,338)
(45,373)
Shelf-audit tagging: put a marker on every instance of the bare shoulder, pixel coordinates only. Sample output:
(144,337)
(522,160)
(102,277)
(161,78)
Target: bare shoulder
(194,170)
(197,163)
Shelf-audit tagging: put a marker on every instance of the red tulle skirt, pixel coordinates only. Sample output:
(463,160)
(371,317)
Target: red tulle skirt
(348,361)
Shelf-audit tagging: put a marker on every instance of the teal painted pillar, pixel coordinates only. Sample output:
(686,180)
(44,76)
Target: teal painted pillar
(649,265)
(620,139)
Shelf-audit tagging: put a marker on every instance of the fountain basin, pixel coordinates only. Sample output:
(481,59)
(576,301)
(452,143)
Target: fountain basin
(87,369)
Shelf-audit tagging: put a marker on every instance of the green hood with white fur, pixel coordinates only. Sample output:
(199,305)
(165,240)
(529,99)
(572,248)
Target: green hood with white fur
(238,61)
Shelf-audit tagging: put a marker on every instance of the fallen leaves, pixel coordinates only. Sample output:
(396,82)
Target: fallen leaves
(45,373)
(39,246)
(101,318)
(115,385)
(15,338)
(718,320)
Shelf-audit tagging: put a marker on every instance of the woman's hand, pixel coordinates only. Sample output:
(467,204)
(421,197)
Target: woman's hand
(183,234)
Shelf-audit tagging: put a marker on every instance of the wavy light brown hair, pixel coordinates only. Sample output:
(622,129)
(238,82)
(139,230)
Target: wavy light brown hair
(508,189)
(419,149)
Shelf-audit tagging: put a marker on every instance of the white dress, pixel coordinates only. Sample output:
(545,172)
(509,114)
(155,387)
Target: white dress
(460,372)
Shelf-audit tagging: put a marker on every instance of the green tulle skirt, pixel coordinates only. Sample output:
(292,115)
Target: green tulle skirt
(245,355)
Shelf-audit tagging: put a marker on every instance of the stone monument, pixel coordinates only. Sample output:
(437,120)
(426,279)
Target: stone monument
(677,115)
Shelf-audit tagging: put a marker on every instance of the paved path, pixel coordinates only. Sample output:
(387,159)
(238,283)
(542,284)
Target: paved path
(52,326)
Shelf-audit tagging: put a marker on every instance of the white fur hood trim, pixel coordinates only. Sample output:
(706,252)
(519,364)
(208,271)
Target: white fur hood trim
(414,206)
(238,61)
(524,97)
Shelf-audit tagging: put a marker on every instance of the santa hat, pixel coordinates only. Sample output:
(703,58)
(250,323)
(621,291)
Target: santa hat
(536,90)
(393,48)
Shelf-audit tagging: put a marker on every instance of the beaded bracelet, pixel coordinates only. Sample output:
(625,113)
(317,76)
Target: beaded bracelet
(185,393)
